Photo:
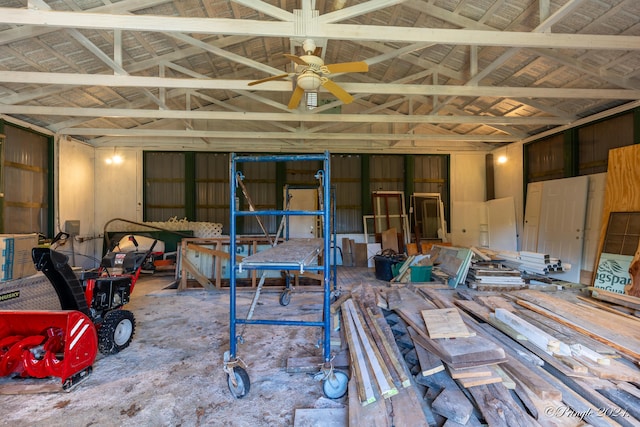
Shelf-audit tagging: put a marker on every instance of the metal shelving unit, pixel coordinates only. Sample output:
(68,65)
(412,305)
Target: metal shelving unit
(307,254)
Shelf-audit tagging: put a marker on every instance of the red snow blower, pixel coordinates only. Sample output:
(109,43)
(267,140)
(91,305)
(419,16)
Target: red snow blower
(64,343)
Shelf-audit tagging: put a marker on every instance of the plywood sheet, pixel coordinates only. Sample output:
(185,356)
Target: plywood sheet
(622,194)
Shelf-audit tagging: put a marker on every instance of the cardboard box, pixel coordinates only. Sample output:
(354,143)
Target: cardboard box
(15,255)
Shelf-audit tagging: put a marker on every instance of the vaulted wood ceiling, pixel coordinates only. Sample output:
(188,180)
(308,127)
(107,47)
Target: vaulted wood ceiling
(444,75)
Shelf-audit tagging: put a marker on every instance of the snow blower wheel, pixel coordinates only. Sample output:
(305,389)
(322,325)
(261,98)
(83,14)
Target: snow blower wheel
(242,385)
(116,331)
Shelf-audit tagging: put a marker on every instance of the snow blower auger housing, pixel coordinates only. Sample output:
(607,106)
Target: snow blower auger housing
(41,344)
(65,343)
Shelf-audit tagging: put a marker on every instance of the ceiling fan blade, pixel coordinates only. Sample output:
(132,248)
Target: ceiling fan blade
(268,79)
(295,59)
(348,67)
(295,98)
(340,93)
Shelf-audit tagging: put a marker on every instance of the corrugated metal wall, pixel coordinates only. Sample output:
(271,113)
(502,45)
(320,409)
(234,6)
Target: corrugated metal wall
(345,178)
(546,159)
(432,176)
(164,185)
(386,173)
(260,180)
(25,165)
(597,139)
(212,187)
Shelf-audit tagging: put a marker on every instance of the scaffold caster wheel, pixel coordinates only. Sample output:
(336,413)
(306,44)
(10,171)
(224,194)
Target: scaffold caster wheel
(240,387)
(285,297)
(335,385)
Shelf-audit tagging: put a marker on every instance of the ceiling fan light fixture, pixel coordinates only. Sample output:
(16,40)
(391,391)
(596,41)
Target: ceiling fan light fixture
(309,81)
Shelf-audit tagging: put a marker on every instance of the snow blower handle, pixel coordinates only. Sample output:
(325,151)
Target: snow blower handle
(133,240)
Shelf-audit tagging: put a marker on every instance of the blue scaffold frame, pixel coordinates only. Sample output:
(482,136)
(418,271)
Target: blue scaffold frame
(324,267)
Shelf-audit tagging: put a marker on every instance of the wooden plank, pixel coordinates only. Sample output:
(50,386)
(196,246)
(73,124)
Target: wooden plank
(459,353)
(521,369)
(563,332)
(617,331)
(507,381)
(325,417)
(479,381)
(445,323)
(622,194)
(200,278)
(390,239)
(338,303)
(628,301)
(394,300)
(361,255)
(454,405)
(537,336)
(498,407)
(380,371)
(367,298)
(614,371)
(291,254)
(374,414)
(406,408)
(612,308)
(429,362)
(475,372)
(358,362)
(391,358)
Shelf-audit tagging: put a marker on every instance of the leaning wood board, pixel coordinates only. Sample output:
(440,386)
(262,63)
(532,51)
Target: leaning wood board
(622,194)
(617,331)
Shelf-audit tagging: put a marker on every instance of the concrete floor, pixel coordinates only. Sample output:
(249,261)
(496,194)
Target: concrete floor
(172,373)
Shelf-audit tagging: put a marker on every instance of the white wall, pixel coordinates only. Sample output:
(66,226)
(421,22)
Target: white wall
(508,178)
(118,186)
(90,190)
(75,198)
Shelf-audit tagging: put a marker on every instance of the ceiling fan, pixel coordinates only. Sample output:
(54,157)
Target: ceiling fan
(311,71)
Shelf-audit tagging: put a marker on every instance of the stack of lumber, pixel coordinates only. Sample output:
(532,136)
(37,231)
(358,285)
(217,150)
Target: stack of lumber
(615,302)
(532,262)
(458,371)
(580,357)
(493,276)
(380,391)
(452,263)
(516,358)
